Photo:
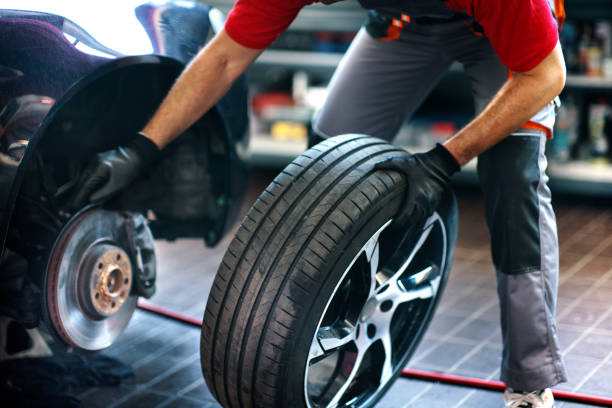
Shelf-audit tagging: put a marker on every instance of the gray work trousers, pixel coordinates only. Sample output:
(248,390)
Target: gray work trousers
(378,84)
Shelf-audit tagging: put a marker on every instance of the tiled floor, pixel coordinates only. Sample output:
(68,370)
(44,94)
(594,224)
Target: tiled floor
(464,338)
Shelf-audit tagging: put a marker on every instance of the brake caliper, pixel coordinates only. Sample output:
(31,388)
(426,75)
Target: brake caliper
(139,242)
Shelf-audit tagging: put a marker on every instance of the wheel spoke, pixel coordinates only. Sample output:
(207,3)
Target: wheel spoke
(387,368)
(371,247)
(315,350)
(362,347)
(397,265)
(420,292)
(372,252)
(415,280)
(417,247)
(333,337)
(373,260)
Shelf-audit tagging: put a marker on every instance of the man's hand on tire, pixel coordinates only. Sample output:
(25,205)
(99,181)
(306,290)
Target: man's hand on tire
(427,176)
(113,170)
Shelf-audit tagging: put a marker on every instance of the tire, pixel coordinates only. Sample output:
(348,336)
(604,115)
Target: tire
(320,300)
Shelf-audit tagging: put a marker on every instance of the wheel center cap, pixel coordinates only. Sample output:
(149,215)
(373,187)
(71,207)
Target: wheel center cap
(368,310)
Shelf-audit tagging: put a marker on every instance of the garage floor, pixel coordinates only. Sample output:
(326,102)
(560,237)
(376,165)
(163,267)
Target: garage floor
(464,338)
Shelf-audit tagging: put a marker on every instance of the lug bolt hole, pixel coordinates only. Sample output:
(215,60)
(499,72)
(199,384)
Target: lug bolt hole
(125,281)
(113,304)
(100,265)
(386,305)
(97,296)
(118,257)
(371,330)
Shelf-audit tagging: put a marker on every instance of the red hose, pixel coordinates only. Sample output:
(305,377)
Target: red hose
(500,386)
(454,379)
(162,311)
(407,373)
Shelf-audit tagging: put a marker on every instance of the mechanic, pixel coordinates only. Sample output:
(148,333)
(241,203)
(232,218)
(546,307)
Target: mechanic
(511,53)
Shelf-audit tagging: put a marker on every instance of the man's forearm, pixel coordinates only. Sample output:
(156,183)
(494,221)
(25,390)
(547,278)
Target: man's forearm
(205,80)
(517,101)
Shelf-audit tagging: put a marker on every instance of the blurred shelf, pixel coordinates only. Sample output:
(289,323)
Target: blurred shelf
(300,59)
(265,151)
(579,170)
(319,64)
(343,16)
(310,59)
(585,82)
(574,177)
(581,177)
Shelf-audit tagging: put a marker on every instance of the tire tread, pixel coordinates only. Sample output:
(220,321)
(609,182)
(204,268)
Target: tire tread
(265,265)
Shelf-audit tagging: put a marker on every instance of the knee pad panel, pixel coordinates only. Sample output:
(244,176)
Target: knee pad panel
(509,176)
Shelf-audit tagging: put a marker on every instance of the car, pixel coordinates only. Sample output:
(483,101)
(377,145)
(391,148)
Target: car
(320,299)
(78,79)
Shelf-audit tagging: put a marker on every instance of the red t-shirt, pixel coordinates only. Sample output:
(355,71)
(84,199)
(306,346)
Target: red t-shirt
(257,23)
(522,32)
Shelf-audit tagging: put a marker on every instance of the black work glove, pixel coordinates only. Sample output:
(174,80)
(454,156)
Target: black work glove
(113,170)
(427,175)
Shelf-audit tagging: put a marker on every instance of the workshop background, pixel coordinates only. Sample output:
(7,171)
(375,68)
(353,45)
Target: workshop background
(287,85)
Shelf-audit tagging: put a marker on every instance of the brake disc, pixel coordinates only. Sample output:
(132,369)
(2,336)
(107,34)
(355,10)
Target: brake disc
(90,287)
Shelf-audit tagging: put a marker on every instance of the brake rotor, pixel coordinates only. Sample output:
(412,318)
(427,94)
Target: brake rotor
(89,291)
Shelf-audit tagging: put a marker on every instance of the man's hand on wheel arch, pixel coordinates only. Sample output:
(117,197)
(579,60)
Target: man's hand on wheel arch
(427,176)
(113,170)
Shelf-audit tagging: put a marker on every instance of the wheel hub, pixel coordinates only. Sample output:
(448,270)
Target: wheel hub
(369,309)
(106,277)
